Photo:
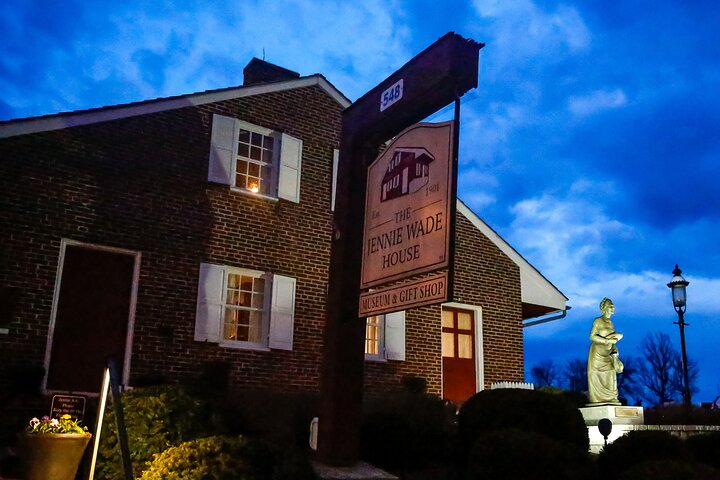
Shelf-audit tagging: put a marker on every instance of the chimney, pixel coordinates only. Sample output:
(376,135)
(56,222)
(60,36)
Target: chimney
(260,71)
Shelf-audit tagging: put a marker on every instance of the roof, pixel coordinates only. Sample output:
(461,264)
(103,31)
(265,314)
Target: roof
(539,296)
(11,128)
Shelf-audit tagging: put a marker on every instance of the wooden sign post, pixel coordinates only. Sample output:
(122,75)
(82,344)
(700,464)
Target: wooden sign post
(434,78)
(111,383)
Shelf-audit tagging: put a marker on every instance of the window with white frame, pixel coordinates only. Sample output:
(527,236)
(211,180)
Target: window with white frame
(385,337)
(256,162)
(374,344)
(254,159)
(244,308)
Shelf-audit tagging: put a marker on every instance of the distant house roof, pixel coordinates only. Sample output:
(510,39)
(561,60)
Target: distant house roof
(539,295)
(11,128)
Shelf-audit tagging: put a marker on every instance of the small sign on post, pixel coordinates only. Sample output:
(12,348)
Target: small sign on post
(73,405)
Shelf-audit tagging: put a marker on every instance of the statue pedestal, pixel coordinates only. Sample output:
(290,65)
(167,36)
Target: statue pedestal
(622,418)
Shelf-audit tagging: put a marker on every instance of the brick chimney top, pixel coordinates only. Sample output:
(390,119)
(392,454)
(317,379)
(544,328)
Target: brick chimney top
(260,71)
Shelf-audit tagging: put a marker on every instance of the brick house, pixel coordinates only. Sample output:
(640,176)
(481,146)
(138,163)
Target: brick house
(179,233)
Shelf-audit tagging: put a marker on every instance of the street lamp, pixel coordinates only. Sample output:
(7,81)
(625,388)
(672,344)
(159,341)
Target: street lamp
(679,297)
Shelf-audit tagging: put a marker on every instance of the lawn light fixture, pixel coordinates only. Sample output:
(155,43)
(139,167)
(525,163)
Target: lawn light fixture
(679,298)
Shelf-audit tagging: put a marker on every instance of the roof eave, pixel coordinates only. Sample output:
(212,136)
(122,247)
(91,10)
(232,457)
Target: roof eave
(536,289)
(60,121)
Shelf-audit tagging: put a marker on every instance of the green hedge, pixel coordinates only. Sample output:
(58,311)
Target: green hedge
(282,418)
(406,430)
(524,455)
(637,447)
(669,470)
(681,415)
(705,448)
(156,418)
(551,415)
(226,458)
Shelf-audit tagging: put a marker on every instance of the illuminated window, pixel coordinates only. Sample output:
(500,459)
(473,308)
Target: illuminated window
(374,344)
(244,308)
(256,162)
(255,159)
(241,308)
(385,337)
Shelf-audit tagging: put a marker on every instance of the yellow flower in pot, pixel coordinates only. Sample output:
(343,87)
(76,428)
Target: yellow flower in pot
(52,448)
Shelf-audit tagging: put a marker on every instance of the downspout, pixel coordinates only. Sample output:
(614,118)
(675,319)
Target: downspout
(548,319)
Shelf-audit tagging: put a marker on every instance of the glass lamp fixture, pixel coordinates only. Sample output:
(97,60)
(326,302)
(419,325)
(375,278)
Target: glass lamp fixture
(677,285)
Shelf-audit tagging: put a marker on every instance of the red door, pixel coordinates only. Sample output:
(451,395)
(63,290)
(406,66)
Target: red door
(91,320)
(458,351)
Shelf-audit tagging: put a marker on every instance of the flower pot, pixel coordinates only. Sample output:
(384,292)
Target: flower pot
(51,456)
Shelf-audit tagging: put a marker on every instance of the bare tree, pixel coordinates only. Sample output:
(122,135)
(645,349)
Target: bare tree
(661,375)
(544,374)
(630,386)
(576,375)
(693,370)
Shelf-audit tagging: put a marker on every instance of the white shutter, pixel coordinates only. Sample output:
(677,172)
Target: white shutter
(208,317)
(395,336)
(282,312)
(290,164)
(335,164)
(223,149)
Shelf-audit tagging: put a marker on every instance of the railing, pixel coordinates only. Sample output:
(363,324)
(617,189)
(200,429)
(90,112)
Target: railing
(520,385)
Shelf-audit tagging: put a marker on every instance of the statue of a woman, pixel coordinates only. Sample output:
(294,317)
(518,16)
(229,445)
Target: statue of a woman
(603,362)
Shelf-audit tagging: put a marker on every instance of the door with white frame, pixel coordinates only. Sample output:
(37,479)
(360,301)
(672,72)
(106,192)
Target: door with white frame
(93,316)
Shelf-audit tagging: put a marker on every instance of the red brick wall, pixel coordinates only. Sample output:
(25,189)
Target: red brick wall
(499,297)
(141,184)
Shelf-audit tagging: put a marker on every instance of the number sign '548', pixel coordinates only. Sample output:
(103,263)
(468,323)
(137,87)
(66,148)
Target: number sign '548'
(391,95)
(407,224)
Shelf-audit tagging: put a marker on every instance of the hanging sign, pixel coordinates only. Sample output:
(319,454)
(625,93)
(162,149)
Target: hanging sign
(408,206)
(406,295)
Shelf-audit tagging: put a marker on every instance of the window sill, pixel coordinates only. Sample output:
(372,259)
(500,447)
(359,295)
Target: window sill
(252,194)
(244,346)
(375,359)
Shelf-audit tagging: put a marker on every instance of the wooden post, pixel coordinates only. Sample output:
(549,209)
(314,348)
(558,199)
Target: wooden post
(432,79)
(120,419)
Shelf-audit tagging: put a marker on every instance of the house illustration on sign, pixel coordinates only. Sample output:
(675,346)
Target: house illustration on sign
(408,171)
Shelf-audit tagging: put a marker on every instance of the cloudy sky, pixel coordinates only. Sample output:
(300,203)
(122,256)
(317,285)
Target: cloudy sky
(592,143)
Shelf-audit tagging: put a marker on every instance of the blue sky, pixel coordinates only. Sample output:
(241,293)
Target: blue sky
(592,143)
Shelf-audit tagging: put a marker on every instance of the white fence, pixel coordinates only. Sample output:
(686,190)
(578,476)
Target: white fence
(521,385)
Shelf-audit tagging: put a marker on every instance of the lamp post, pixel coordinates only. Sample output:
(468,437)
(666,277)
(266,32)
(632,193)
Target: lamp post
(677,285)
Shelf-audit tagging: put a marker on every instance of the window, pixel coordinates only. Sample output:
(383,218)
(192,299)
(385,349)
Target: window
(244,308)
(374,345)
(254,159)
(385,337)
(256,162)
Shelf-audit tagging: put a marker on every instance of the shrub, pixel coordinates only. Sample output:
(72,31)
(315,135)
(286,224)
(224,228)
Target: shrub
(527,410)
(280,418)
(669,470)
(578,399)
(705,448)
(405,430)
(155,418)
(226,458)
(523,455)
(681,415)
(637,447)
